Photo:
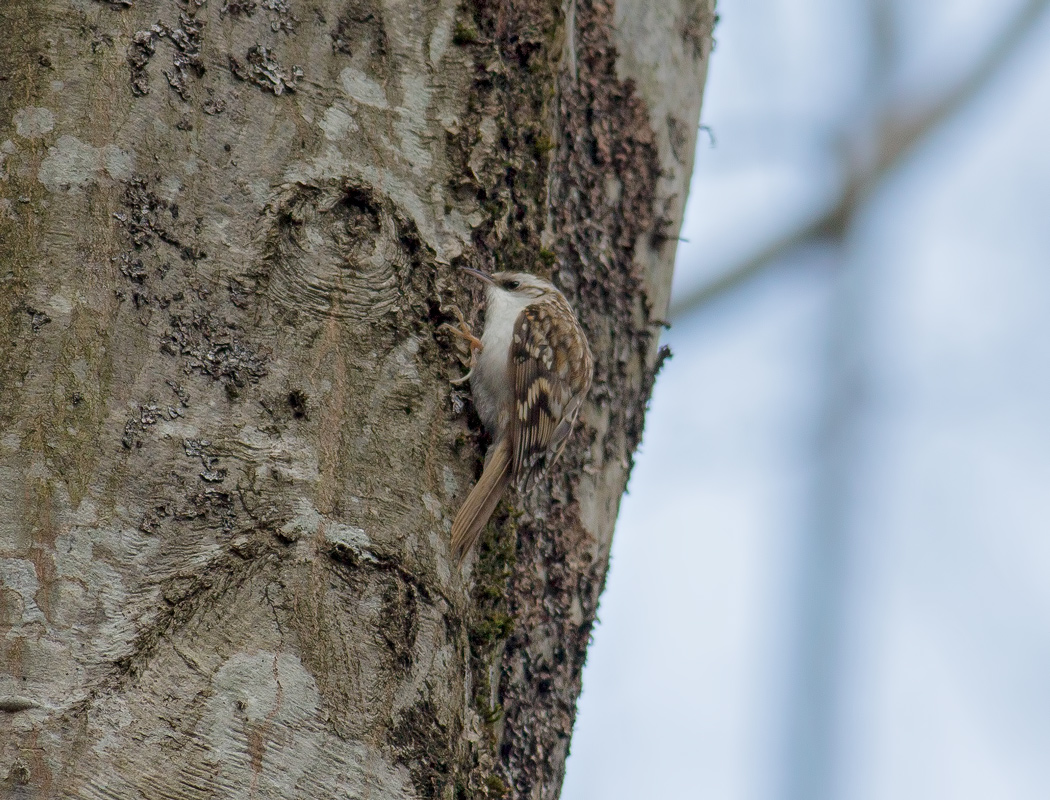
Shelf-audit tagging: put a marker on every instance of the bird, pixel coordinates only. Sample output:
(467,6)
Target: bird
(530,372)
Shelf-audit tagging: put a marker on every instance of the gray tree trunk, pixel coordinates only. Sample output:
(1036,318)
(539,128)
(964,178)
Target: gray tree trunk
(229,451)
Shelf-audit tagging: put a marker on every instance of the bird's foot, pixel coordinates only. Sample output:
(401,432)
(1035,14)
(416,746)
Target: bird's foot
(463,332)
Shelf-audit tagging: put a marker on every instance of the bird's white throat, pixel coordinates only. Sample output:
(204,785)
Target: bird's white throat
(491,386)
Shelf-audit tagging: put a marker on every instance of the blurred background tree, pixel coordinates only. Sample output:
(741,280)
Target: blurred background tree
(829,580)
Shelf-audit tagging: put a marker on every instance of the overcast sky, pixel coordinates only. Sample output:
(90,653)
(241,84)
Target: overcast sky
(937,306)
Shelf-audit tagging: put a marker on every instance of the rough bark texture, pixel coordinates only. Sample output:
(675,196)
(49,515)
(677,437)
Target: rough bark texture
(229,451)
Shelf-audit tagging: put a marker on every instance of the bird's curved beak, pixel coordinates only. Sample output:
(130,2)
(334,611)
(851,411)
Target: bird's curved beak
(479,275)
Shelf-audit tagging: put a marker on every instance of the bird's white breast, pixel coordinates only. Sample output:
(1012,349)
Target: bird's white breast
(491,383)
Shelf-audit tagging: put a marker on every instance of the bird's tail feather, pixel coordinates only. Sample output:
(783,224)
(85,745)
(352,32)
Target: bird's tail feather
(482,500)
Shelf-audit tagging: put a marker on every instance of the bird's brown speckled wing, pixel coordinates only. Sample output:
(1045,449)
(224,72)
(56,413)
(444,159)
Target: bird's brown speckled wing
(551,367)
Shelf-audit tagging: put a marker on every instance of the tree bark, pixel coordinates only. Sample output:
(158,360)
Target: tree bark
(229,451)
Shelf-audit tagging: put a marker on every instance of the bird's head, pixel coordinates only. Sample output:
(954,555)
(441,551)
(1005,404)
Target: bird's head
(520,284)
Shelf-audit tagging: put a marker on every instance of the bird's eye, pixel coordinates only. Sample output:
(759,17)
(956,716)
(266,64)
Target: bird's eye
(513,284)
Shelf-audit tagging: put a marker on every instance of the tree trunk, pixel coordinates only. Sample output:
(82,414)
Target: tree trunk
(229,450)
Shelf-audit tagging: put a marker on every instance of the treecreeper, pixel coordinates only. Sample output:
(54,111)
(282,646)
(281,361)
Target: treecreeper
(530,372)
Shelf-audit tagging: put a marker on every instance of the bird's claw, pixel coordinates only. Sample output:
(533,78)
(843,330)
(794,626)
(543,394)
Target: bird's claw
(463,331)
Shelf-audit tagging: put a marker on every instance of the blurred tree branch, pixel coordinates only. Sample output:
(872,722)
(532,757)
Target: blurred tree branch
(899,132)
